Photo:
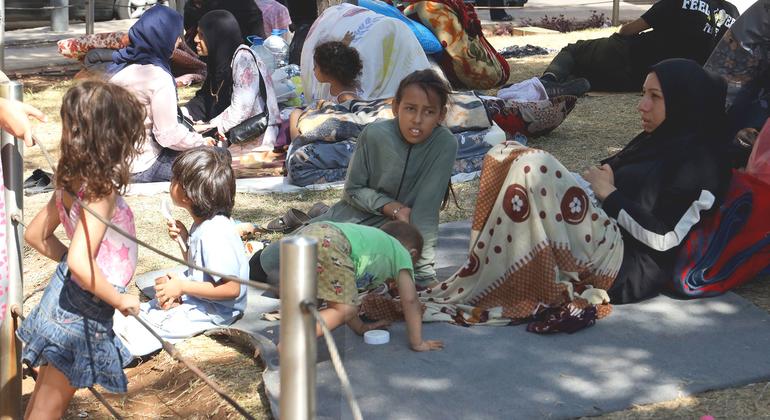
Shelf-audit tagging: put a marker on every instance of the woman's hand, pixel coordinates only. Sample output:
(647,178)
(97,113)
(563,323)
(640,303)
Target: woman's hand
(602,180)
(397,211)
(404,214)
(128,305)
(199,128)
(429,345)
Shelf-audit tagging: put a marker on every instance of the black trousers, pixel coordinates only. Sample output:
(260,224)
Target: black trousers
(605,62)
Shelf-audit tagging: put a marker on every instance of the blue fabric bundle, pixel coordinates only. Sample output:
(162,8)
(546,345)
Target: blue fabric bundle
(429,43)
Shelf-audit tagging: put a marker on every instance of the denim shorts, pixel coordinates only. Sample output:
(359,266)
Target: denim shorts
(71,330)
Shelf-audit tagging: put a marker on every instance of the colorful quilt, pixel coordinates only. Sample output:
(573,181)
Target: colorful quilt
(529,118)
(77,47)
(319,163)
(468,60)
(541,252)
(329,122)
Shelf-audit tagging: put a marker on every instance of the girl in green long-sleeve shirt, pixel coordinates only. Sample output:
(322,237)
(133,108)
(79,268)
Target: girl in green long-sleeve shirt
(401,167)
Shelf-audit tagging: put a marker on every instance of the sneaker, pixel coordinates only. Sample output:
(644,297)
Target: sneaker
(574,87)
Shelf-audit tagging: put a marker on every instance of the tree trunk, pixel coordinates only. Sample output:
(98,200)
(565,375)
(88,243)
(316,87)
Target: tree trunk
(324,4)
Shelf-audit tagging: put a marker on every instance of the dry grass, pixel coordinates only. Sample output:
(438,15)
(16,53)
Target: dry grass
(600,124)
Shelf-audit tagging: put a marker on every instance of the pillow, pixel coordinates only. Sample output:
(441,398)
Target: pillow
(466,112)
(529,118)
(78,47)
(429,43)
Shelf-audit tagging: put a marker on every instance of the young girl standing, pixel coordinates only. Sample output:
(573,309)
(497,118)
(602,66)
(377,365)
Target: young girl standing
(69,334)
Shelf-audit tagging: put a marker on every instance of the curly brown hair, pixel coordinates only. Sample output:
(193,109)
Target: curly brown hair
(338,60)
(102,131)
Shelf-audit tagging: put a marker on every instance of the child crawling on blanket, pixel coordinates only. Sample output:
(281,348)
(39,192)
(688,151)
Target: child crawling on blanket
(356,258)
(203,183)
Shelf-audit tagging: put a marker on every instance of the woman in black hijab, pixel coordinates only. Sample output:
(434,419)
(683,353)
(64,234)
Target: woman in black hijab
(232,91)
(217,39)
(661,183)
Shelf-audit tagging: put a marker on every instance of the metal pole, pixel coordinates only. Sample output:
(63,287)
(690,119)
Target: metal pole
(299,257)
(2,35)
(11,151)
(60,16)
(90,16)
(615,12)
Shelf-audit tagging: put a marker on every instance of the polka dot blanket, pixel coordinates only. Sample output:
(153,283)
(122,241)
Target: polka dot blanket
(540,250)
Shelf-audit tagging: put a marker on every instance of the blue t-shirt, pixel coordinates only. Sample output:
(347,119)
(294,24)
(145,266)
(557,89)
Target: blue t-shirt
(215,244)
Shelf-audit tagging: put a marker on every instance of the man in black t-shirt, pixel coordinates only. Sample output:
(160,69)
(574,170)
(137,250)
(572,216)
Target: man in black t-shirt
(680,28)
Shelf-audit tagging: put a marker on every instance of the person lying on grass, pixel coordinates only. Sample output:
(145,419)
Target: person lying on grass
(353,259)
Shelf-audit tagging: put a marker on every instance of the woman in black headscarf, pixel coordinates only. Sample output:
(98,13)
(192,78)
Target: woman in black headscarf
(232,91)
(217,40)
(659,185)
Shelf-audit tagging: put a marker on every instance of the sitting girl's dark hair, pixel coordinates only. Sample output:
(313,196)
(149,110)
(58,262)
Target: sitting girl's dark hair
(338,60)
(428,81)
(206,176)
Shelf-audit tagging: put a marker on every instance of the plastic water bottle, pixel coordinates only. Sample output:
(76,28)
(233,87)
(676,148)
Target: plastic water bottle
(258,46)
(278,48)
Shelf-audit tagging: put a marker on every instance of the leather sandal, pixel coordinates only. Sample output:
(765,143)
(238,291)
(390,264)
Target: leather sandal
(288,222)
(317,210)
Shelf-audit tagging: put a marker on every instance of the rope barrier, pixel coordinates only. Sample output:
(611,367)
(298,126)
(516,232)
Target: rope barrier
(174,353)
(16,312)
(336,360)
(167,346)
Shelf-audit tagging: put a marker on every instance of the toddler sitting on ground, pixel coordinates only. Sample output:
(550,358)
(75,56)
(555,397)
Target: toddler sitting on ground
(203,184)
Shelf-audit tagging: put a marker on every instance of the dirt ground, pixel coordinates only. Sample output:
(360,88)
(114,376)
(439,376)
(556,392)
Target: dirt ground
(162,388)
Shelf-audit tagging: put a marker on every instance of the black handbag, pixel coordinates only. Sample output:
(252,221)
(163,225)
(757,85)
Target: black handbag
(253,127)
